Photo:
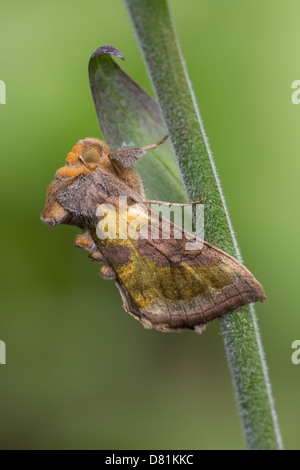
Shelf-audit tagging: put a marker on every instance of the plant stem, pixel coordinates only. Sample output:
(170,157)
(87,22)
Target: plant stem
(157,39)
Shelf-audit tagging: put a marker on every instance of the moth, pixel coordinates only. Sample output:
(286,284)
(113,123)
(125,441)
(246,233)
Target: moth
(162,284)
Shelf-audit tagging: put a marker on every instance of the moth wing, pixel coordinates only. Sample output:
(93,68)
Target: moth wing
(82,196)
(168,287)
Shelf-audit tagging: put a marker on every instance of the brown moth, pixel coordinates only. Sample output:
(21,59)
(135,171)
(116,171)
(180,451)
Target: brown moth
(162,284)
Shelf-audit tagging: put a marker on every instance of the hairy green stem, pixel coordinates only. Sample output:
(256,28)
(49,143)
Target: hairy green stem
(157,39)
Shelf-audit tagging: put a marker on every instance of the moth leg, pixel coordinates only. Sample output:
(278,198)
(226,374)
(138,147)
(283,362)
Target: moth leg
(96,256)
(84,240)
(107,272)
(164,203)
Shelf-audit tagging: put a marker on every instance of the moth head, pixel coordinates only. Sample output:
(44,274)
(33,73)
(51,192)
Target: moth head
(87,155)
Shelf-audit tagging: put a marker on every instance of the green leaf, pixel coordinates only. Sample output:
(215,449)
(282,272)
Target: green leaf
(129,117)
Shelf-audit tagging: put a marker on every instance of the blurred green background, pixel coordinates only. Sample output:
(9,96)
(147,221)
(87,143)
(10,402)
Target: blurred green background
(81,373)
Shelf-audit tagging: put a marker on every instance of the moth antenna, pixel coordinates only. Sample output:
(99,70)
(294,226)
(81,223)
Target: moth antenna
(179,204)
(153,146)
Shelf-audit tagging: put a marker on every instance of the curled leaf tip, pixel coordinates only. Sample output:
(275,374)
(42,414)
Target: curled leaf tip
(107,50)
